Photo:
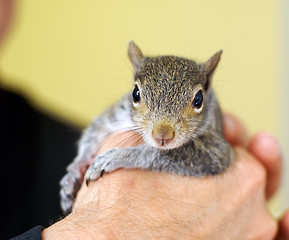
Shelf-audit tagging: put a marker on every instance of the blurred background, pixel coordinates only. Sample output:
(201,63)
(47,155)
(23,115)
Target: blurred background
(63,62)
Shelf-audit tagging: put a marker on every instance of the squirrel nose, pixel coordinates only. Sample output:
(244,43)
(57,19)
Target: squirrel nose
(163,134)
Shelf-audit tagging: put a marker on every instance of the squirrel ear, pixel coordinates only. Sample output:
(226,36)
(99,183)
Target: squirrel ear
(210,66)
(135,55)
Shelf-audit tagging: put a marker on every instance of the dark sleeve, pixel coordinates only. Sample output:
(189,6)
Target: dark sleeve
(32,234)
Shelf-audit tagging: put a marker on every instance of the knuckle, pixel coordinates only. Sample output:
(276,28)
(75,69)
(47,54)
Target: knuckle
(259,175)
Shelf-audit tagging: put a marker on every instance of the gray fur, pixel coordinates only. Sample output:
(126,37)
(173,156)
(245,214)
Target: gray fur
(168,86)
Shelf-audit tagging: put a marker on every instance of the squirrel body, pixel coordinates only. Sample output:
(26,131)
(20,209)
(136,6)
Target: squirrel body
(175,111)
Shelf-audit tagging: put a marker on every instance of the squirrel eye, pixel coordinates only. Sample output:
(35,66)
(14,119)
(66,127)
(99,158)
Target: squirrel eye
(136,94)
(198,100)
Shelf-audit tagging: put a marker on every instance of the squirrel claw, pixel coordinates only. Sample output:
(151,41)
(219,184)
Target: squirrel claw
(87,182)
(100,175)
(102,172)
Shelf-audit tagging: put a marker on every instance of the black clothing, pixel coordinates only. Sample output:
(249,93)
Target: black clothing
(34,152)
(32,234)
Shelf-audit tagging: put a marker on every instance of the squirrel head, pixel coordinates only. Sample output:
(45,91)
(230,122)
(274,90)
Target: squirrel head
(171,97)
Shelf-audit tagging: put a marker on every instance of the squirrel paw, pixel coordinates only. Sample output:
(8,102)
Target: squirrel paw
(70,184)
(69,188)
(89,178)
(97,170)
(102,164)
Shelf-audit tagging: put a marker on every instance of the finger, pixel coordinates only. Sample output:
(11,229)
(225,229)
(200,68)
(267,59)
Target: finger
(266,149)
(284,227)
(234,130)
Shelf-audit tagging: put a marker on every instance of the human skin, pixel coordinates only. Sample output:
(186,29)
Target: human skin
(156,186)
(6,10)
(137,204)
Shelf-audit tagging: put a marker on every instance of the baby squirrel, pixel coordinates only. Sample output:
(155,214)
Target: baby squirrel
(173,108)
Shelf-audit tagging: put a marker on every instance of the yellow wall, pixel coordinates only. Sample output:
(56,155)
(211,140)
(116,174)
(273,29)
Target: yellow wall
(70,56)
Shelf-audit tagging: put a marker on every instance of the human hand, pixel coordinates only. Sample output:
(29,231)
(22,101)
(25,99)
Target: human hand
(134,204)
(266,149)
